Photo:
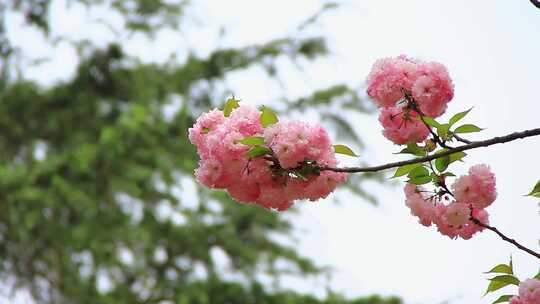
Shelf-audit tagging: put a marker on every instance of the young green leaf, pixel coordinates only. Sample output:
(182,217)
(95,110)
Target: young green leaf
(405,169)
(420,180)
(252,140)
(510,279)
(467,129)
(536,190)
(442,163)
(414,149)
(537,276)
(231,104)
(457,156)
(429,121)
(495,285)
(258,151)
(502,299)
(268,117)
(342,149)
(458,117)
(501,268)
(442,130)
(418,172)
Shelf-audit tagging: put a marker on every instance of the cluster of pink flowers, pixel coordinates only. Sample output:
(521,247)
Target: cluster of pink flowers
(473,193)
(529,292)
(402,126)
(267,180)
(429,85)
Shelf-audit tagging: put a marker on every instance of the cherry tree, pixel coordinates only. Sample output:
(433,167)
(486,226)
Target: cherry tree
(260,159)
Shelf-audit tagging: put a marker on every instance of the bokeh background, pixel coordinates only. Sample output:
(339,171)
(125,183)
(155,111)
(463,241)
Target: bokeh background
(97,198)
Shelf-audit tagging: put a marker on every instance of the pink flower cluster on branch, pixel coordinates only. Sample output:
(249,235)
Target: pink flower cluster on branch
(412,94)
(393,79)
(270,166)
(476,192)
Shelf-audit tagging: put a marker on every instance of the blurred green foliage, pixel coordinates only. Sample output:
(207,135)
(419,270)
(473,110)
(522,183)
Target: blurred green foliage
(88,165)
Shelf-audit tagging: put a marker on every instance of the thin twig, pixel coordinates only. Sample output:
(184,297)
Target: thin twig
(414,106)
(473,145)
(433,134)
(504,237)
(461,139)
(499,233)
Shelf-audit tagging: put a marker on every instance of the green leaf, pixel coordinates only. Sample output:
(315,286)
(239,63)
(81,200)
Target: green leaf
(258,151)
(420,180)
(342,149)
(458,117)
(510,279)
(405,169)
(429,121)
(414,149)
(501,268)
(467,129)
(252,140)
(418,172)
(502,299)
(442,163)
(457,156)
(268,117)
(495,285)
(442,130)
(537,276)
(536,190)
(230,105)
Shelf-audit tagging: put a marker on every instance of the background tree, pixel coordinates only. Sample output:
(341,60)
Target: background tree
(95,173)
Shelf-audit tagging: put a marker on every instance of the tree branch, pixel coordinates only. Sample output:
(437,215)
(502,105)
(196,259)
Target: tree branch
(461,139)
(504,237)
(536,3)
(472,145)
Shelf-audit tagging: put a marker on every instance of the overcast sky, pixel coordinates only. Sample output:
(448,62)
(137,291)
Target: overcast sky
(491,48)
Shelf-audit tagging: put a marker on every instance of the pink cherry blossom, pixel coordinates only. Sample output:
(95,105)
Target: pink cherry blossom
(452,220)
(476,188)
(204,126)
(529,291)
(465,230)
(209,172)
(272,182)
(515,300)
(433,89)
(428,82)
(272,197)
(420,205)
(246,120)
(388,77)
(323,185)
(295,141)
(457,214)
(244,190)
(402,126)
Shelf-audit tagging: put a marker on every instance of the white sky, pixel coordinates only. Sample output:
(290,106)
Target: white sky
(491,48)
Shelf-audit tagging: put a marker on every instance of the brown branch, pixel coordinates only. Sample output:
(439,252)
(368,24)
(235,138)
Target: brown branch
(472,145)
(535,3)
(461,139)
(504,237)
